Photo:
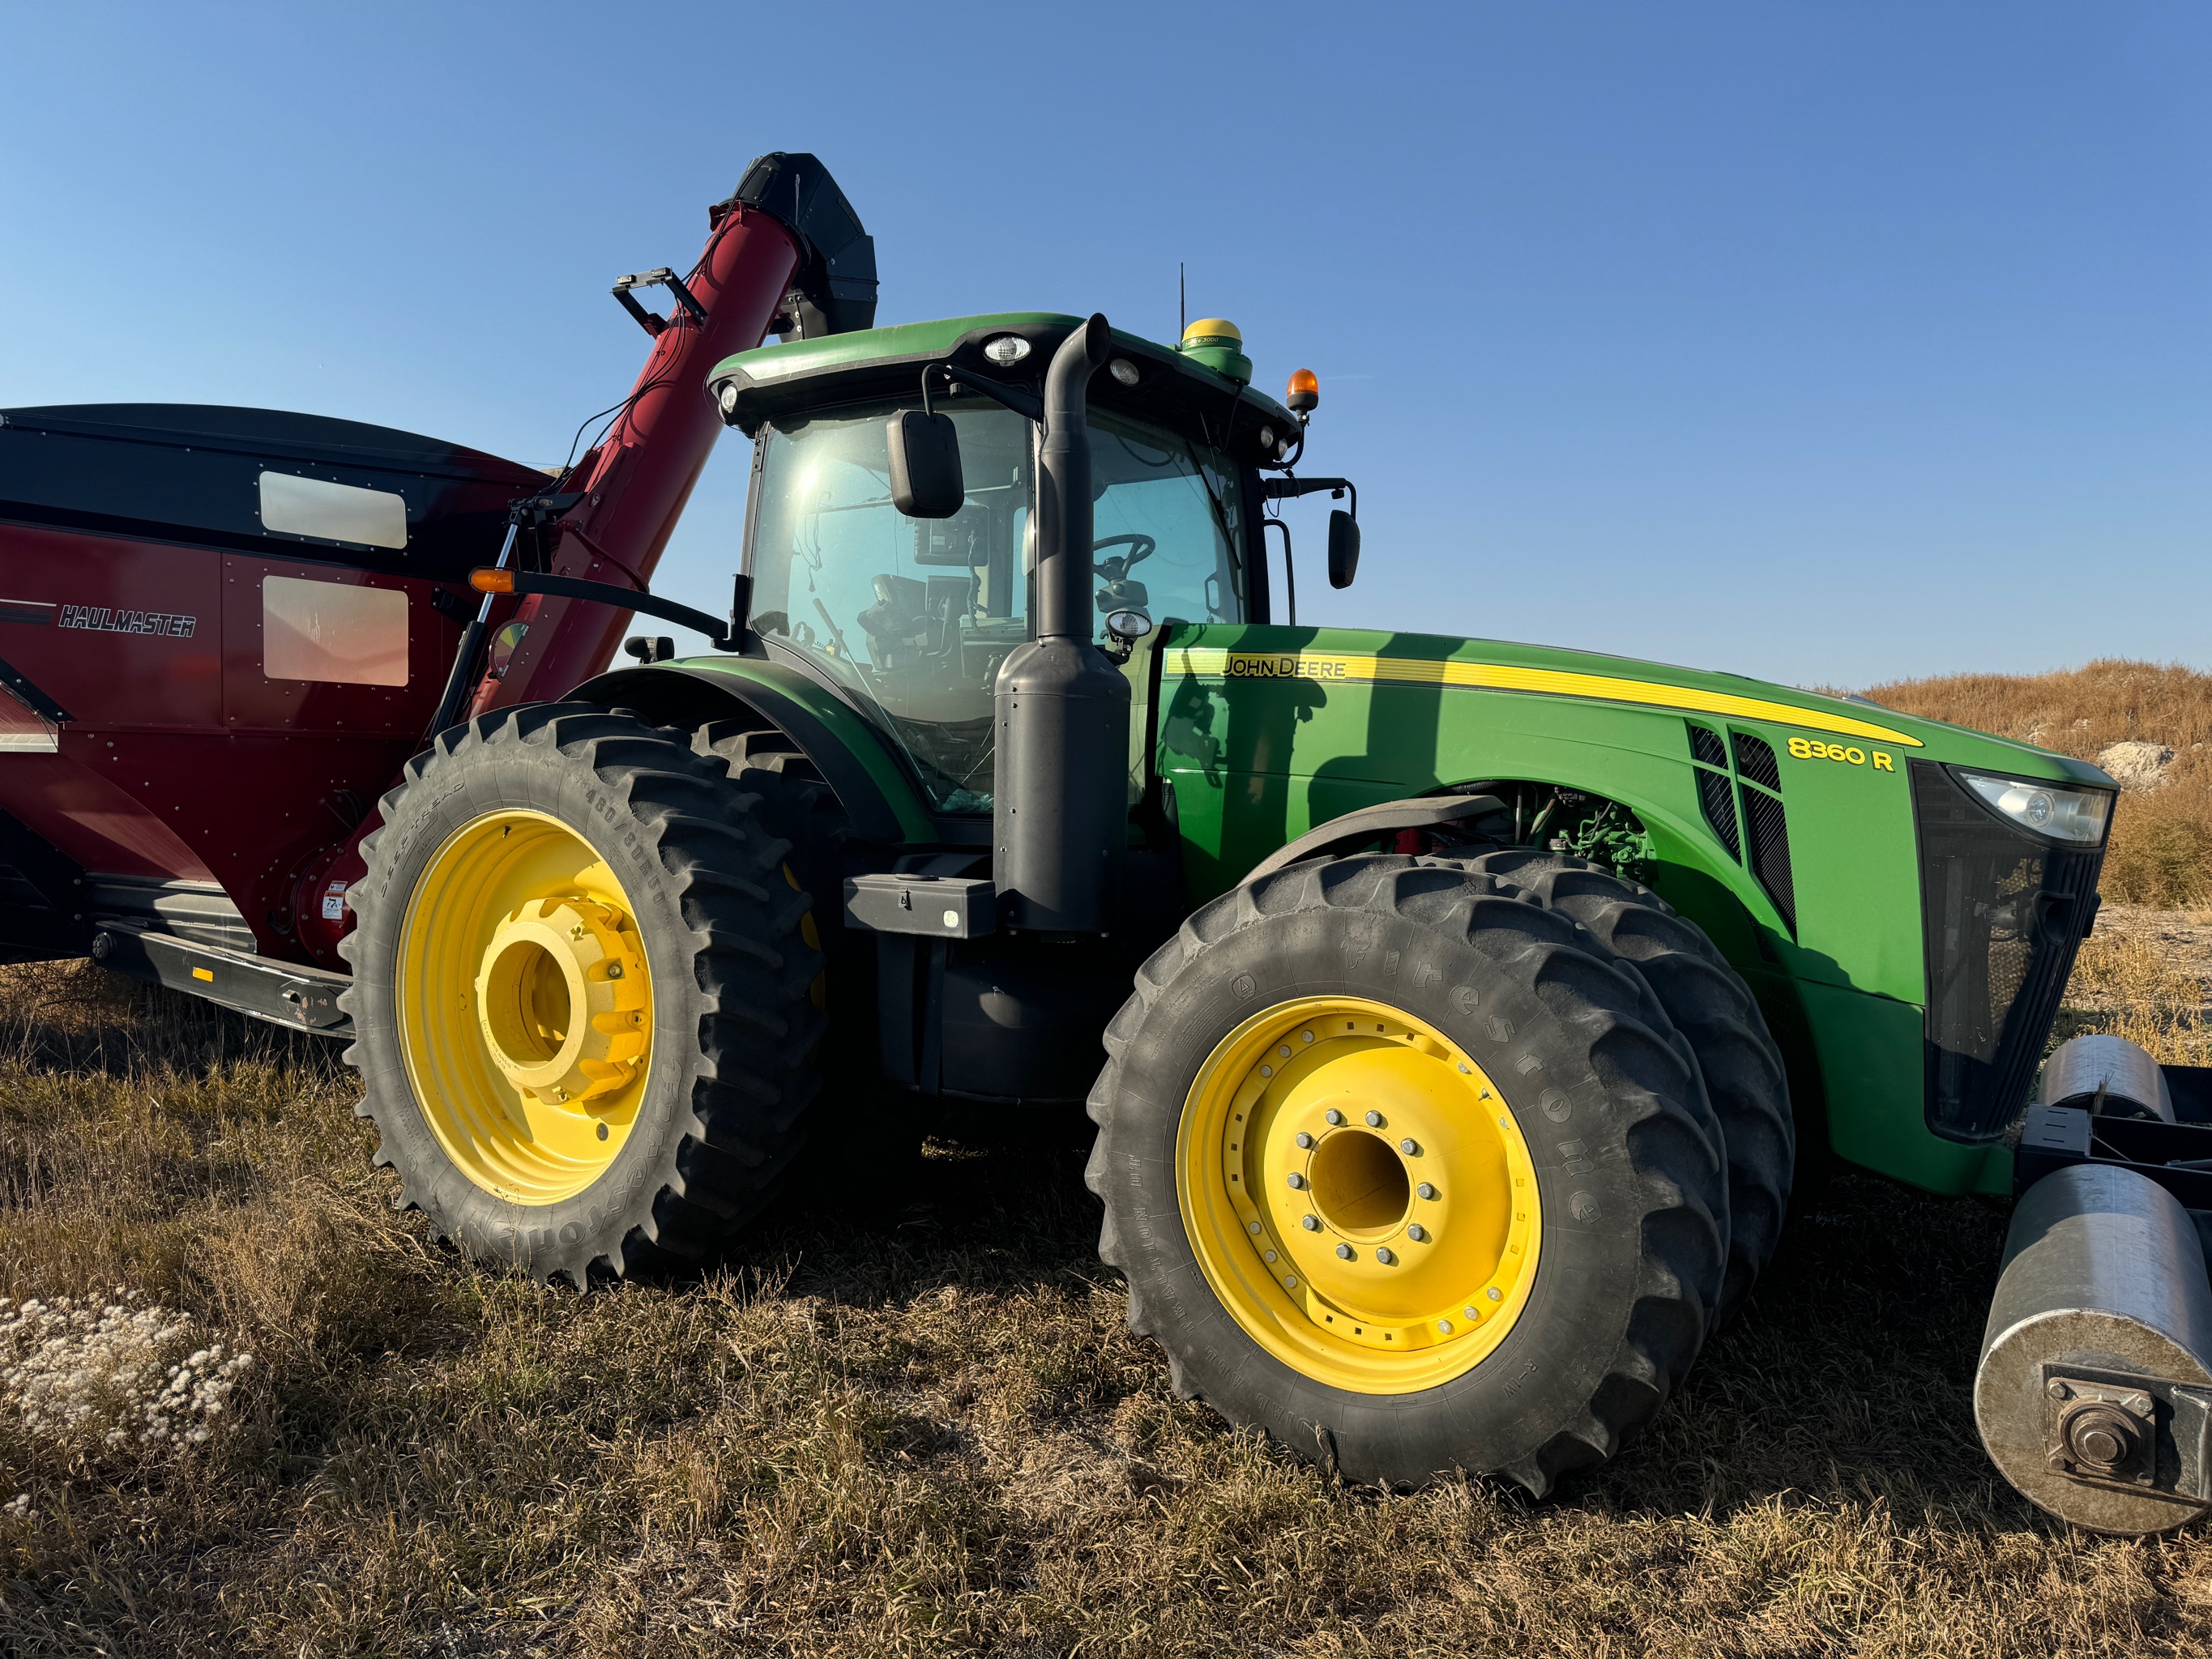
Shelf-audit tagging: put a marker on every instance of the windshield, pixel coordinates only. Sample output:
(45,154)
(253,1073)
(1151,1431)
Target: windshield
(915,616)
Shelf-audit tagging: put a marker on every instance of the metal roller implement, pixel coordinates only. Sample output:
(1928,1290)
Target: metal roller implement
(2093,1394)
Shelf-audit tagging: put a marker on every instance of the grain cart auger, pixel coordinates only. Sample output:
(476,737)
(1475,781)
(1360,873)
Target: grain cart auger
(1458,1017)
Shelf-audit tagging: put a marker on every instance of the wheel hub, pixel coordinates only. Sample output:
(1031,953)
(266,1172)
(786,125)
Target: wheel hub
(524,1006)
(1372,1203)
(560,1000)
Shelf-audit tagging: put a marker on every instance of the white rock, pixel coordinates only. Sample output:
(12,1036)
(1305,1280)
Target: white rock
(2136,765)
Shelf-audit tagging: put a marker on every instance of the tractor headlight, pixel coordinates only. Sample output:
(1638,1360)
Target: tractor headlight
(1006,349)
(2048,809)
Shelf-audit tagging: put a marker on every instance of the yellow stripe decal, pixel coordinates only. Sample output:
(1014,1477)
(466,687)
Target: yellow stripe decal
(1493,677)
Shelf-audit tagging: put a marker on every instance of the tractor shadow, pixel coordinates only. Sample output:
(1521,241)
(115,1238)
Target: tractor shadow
(1847,1379)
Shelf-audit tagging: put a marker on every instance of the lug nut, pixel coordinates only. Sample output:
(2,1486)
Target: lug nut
(1252,1228)
(1311,1223)
(1295,1179)
(1418,1233)
(1411,1147)
(1443,1327)
(1384,1254)
(1303,1139)
(614,971)
(1495,1294)
(1344,1251)
(1333,1115)
(1375,1120)
(1426,1191)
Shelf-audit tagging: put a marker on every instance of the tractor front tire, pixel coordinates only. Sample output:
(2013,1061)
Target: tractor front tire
(1404,1168)
(585,1000)
(1713,1010)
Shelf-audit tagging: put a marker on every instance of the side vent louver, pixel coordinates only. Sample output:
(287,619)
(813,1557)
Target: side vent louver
(1715,793)
(1755,760)
(1766,826)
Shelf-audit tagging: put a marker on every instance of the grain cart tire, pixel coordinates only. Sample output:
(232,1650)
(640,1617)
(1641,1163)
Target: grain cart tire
(555,861)
(1404,1168)
(1713,1010)
(868,1166)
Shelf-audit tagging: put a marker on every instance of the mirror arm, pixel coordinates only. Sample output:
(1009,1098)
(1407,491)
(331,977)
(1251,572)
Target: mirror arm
(1279,490)
(1027,403)
(724,635)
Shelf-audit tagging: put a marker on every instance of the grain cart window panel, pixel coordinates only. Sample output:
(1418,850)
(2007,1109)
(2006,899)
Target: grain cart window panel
(333,631)
(333,512)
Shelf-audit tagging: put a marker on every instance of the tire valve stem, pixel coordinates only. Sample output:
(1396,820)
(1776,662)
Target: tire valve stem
(614,971)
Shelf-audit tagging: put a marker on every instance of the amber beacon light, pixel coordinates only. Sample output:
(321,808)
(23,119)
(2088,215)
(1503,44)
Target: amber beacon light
(1304,394)
(487,581)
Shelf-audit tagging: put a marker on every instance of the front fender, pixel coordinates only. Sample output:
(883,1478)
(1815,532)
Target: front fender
(884,805)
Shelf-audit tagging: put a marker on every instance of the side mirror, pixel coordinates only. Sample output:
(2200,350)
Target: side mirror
(1343,547)
(925,457)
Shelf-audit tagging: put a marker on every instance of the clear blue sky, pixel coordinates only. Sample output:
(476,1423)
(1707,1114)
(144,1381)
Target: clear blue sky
(1824,343)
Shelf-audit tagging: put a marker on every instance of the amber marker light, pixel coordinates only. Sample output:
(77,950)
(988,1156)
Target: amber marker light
(492,582)
(1305,395)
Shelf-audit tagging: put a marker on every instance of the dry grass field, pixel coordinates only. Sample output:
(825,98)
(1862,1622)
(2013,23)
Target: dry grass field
(930,1433)
(927,1430)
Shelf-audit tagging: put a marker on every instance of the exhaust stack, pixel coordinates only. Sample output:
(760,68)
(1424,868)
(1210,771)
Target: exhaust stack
(1059,821)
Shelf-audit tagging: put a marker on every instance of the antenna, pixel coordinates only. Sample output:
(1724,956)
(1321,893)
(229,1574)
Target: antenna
(1182,308)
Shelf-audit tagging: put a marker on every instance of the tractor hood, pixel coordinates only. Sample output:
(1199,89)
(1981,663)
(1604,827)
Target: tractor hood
(1353,656)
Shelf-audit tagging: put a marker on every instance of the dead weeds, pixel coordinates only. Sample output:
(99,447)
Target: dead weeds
(930,1433)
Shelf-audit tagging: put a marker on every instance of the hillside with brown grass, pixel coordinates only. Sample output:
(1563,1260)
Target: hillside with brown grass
(2161,843)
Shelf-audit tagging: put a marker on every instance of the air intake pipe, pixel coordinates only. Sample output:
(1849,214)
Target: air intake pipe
(1060,816)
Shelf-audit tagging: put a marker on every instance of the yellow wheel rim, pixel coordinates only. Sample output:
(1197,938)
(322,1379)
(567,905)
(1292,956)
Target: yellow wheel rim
(526,1006)
(1358,1194)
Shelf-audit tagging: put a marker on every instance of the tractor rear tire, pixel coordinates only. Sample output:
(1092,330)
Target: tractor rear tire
(1713,1010)
(869,1167)
(1408,1171)
(560,886)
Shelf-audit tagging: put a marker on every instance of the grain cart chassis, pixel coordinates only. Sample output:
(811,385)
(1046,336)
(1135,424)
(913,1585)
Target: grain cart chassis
(1459,1019)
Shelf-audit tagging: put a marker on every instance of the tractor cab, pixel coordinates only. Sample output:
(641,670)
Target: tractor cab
(912,617)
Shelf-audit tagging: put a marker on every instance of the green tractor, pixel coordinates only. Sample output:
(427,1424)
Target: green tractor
(1458,1018)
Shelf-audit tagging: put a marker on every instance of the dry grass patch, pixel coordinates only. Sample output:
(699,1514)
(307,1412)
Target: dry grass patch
(2161,844)
(929,1434)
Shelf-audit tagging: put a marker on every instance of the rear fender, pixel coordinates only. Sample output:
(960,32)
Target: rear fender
(883,804)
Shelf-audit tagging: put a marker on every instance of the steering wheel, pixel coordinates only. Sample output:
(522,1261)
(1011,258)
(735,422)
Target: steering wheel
(1141,547)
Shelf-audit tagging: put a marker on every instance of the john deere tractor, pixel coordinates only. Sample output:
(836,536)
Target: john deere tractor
(1457,1018)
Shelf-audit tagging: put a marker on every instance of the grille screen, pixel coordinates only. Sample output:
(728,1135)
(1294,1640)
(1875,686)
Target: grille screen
(1769,846)
(1755,760)
(1718,798)
(2002,911)
(1715,793)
